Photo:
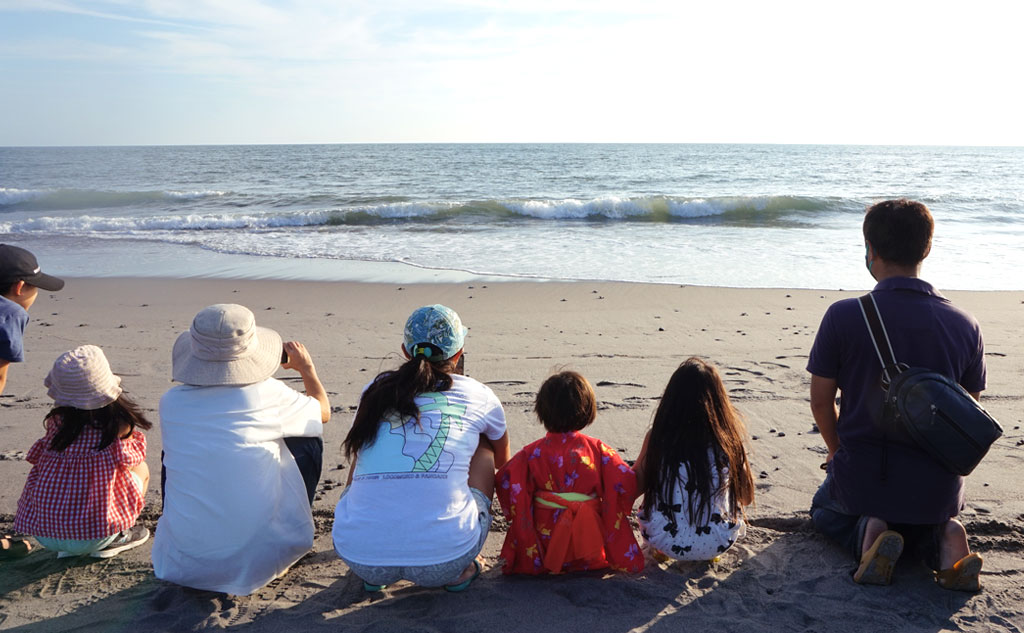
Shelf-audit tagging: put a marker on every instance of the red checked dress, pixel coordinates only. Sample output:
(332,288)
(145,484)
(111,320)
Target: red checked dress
(581,534)
(81,493)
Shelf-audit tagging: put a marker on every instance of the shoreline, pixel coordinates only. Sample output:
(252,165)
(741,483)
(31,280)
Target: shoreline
(626,338)
(153,259)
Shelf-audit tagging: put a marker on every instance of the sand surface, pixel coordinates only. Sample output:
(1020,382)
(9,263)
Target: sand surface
(627,339)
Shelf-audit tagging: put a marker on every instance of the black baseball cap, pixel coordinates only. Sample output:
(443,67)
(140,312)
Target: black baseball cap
(17,264)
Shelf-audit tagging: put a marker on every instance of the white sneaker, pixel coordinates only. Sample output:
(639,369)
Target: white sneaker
(125,541)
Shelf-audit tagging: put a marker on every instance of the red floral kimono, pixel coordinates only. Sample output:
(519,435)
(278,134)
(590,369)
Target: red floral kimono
(567,498)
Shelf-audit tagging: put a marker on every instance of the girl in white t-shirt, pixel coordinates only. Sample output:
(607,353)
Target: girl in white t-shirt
(693,470)
(424,445)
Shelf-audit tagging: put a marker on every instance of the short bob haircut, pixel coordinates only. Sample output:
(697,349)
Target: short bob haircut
(565,403)
(899,231)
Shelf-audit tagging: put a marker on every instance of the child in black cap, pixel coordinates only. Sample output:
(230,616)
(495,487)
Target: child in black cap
(20,281)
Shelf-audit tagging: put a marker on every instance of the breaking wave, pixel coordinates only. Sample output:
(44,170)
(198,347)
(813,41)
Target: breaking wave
(739,210)
(73,199)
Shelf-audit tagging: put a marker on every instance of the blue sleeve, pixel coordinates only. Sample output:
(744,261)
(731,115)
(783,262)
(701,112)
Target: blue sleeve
(824,358)
(975,377)
(12,329)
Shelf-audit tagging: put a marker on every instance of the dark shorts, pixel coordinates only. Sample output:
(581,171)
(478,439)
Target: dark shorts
(834,521)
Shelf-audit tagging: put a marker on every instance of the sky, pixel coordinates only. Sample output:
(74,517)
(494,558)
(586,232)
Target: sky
(140,72)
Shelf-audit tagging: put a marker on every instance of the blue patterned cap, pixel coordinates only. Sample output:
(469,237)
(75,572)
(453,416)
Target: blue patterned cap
(436,327)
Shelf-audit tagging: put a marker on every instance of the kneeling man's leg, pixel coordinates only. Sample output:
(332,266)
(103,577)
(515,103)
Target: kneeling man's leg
(835,522)
(959,569)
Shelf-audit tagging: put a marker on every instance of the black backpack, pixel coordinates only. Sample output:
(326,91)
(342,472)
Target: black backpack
(932,409)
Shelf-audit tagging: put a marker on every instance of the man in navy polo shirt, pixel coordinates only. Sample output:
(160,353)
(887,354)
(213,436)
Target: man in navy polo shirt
(880,493)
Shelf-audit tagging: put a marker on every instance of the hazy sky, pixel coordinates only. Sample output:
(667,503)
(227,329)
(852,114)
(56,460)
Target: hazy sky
(105,72)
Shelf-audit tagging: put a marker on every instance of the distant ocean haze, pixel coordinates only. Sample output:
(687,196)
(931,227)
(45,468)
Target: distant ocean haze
(727,215)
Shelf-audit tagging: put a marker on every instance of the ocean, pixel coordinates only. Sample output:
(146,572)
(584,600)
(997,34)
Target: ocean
(724,215)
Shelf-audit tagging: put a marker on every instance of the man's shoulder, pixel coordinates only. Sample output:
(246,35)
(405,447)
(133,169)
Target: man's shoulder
(949,310)
(844,310)
(939,307)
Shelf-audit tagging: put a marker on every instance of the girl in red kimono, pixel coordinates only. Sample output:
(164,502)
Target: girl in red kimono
(567,496)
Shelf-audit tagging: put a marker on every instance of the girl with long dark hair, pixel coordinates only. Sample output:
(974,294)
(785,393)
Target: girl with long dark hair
(693,469)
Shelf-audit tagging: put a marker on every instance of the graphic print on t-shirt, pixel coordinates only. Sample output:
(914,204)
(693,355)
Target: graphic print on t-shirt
(405,446)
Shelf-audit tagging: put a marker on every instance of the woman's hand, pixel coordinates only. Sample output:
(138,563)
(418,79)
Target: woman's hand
(298,357)
(300,360)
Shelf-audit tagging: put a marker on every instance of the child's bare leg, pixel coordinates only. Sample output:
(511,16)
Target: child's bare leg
(142,471)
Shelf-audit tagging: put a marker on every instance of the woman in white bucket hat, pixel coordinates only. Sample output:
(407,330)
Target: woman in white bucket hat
(236,442)
(89,476)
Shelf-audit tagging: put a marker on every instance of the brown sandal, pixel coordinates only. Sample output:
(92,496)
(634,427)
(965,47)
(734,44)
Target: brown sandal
(962,576)
(877,563)
(12,547)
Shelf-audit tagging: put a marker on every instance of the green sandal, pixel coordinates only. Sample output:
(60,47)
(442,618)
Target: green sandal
(462,586)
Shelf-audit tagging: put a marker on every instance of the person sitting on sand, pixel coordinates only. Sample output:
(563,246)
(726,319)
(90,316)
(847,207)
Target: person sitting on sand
(88,481)
(693,470)
(423,445)
(567,496)
(20,281)
(242,454)
(881,491)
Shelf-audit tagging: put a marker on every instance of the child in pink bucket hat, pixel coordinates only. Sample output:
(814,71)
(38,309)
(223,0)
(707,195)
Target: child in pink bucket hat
(89,476)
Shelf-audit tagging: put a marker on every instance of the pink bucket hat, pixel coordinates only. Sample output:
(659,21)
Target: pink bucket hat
(224,346)
(82,379)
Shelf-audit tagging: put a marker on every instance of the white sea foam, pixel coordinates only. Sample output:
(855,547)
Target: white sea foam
(73,199)
(610,207)
(193,195)
(190,222)
(10,196)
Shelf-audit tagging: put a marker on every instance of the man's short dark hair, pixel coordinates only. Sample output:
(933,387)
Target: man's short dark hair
(899,231)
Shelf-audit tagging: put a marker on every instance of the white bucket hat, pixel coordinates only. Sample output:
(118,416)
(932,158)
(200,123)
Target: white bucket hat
(225,347)
(82,379)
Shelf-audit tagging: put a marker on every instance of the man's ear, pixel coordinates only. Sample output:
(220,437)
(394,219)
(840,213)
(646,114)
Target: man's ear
(405,352)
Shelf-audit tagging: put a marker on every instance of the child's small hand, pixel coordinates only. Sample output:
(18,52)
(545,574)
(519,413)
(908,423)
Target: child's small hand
(298,357)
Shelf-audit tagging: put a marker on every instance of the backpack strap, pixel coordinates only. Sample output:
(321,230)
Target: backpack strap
(880,338)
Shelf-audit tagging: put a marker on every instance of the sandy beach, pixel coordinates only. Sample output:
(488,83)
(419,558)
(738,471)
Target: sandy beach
(627,339)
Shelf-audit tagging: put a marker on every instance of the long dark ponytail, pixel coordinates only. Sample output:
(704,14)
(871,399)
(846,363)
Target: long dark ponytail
(395,391)
(694,414)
